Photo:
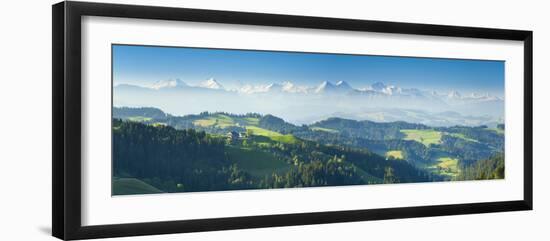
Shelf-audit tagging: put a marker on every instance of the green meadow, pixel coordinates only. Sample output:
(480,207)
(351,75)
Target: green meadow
(426,137)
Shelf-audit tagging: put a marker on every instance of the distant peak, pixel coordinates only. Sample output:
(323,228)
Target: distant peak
(328,87)
(171,83)
(211,84)
(323,86)
(342,83)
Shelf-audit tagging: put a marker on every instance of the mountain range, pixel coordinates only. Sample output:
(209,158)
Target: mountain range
(305,104)
(325,87)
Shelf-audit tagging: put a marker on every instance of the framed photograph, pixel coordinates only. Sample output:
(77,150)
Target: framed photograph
(169,120)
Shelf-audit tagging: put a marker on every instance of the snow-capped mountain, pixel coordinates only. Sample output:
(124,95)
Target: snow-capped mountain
(391,90)
(344,86)
(254,89)
(210,84)
(172,83)
(378,90)
(278,88)
(341,87)
(323,87)
(290,87)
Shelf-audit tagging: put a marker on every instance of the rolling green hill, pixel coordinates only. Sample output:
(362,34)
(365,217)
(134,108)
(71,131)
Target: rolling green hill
(128,186)
(266,145)
(188,160)
(275,136)
(257,162)
(216,120)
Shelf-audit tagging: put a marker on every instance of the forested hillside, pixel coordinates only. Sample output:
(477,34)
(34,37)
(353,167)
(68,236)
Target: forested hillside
(492,168)
(188,160)
(224,151)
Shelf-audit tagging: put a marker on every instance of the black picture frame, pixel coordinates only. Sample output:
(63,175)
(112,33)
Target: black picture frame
(66,127)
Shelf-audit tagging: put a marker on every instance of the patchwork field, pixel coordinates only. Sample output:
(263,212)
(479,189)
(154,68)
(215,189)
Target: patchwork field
(205,122)
(426,137)
(446,166)
(218,120)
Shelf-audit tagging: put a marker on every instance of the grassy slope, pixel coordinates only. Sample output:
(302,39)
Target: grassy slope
(426,137)
(218,120)
(275,136)
(126,186)
(252,121)
(204,122)
(446,166)
(315,128)
(224,121)
(256,162)
(139,118)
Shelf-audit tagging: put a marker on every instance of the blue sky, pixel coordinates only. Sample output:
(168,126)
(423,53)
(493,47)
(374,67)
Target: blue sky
(144,65)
